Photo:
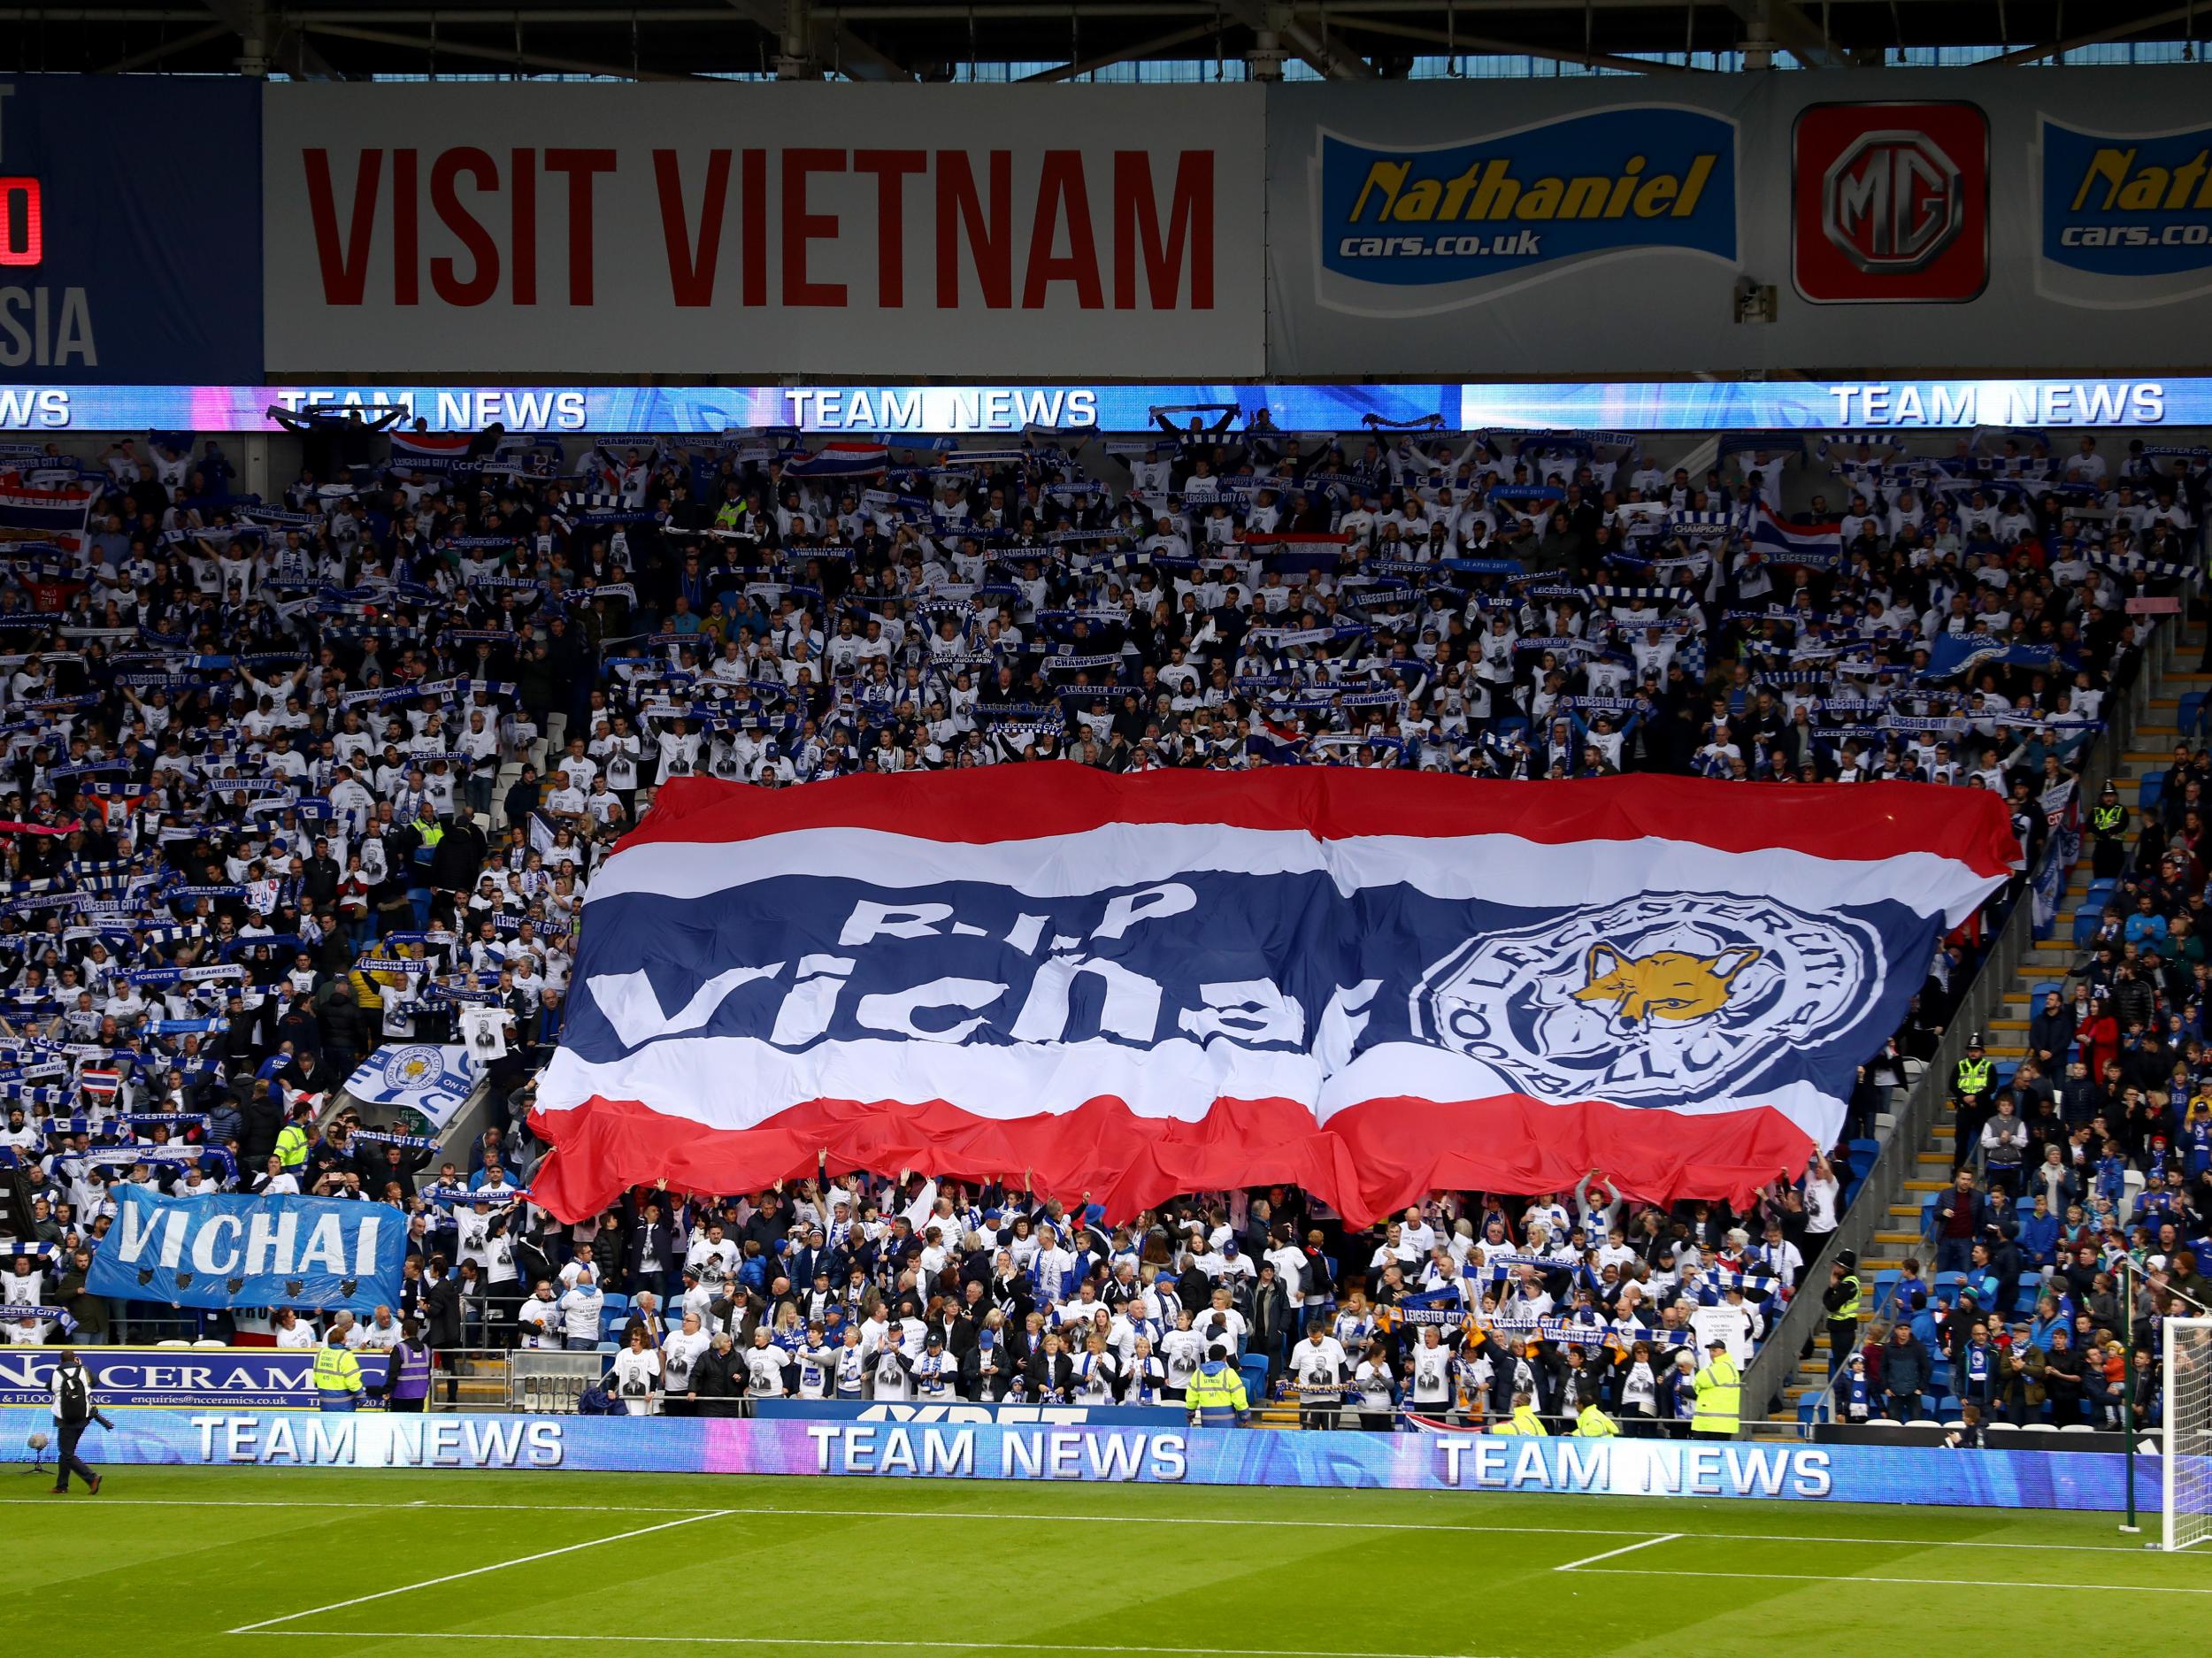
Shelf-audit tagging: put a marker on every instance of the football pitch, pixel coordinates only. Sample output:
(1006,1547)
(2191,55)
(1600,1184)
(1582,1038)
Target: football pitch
(193,1561)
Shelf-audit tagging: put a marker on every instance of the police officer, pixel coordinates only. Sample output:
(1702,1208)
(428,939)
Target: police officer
(337,1372)
(1216,1393)
(1841,1302)
(2109,829)
(1970,1088)
(1719,1411)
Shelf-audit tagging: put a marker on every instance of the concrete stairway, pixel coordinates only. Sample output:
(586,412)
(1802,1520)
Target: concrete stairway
(2150,750)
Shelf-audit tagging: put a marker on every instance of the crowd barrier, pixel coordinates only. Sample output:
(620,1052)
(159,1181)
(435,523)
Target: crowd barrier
(1167,1454)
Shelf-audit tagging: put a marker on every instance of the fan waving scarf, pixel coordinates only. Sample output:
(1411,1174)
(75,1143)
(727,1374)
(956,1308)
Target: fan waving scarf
(1367,984)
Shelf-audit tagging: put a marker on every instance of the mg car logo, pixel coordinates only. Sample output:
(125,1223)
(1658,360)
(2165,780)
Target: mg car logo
(1892,203)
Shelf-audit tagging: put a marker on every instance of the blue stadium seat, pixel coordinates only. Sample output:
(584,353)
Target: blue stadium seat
(2031,1287)
(1947,1287)
(1885,1283)
(2004,1068)
(2085,924)
(1254,1369)
(2147,794)
(2191,715)
(2041,988)
(1863,1152)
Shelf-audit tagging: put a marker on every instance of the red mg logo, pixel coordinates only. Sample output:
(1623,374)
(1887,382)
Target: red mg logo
(1892,203)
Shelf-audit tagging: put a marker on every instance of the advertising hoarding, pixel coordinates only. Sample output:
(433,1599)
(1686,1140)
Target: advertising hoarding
(127,254)
(789,228)
(1167,1454)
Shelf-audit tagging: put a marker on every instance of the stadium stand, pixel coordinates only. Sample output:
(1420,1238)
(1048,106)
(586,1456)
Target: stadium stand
(290,778)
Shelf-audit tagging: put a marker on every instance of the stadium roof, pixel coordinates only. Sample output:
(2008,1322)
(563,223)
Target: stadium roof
(995,40)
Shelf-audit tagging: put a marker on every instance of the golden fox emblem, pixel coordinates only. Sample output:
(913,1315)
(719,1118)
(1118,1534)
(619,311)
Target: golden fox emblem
(1670,985)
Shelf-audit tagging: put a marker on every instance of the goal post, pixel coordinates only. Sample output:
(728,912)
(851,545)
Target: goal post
(2186,1443)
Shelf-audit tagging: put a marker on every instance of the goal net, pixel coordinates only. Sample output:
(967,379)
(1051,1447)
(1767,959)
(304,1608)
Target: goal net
(2187,1445)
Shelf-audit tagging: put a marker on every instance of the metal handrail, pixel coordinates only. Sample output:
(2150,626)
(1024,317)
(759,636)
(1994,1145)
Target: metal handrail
(1778,1357)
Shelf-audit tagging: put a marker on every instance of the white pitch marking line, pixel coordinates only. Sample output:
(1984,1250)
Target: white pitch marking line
(476,1572)
(842,1643)
(1118,1519)
(1936,1583)
(1628,1549)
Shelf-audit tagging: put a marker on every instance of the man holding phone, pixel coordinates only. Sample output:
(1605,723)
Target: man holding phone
(74,1408)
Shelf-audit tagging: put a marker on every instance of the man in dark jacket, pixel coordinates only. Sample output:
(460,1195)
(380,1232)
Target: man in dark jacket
(459,857)
(441,1307)
(718,1378)
(1905,1373)
(261,1120)
(523,797)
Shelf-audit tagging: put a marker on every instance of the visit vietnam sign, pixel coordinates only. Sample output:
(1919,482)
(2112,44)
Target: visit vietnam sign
(672,229)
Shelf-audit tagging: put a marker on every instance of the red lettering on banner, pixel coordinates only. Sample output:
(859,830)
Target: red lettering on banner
(483,173)
(406,230)
(1060,194)
(1190,224)
(1159,231)
(801,228)
(892,168)
(582,167)
(345,269)
(990,234)
(522,222)
(691,264)
(753,215)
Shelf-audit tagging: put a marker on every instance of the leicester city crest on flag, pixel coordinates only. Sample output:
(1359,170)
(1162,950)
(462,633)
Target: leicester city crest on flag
(1654,999)
(426,1077)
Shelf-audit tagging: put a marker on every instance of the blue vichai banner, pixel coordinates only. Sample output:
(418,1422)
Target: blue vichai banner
(131,1378)
(225,1251)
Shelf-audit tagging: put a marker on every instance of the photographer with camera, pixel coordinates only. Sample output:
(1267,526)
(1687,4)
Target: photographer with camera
(74,1408)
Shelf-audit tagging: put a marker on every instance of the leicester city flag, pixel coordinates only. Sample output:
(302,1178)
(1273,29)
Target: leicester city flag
(1372,984)
(430,1078)
(221,1251)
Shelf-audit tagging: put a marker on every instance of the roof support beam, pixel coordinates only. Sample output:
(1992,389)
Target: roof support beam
(1142,49)
(807,41)
(444,46)
(2116,32)
(169,48)
(1478,43)
(1787,26)
(1274,22)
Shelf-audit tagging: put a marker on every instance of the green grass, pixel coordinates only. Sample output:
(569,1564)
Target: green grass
(186,1562)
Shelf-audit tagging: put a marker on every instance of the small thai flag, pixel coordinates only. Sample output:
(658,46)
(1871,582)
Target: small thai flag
(1783,543)
(841,460)
(429,451)
(106,1084)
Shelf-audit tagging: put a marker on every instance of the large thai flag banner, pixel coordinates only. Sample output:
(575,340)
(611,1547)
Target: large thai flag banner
(1368,984)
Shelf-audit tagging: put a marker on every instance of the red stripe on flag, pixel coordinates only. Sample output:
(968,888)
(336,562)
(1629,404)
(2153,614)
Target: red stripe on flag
(1376,1157)
(1854,822)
